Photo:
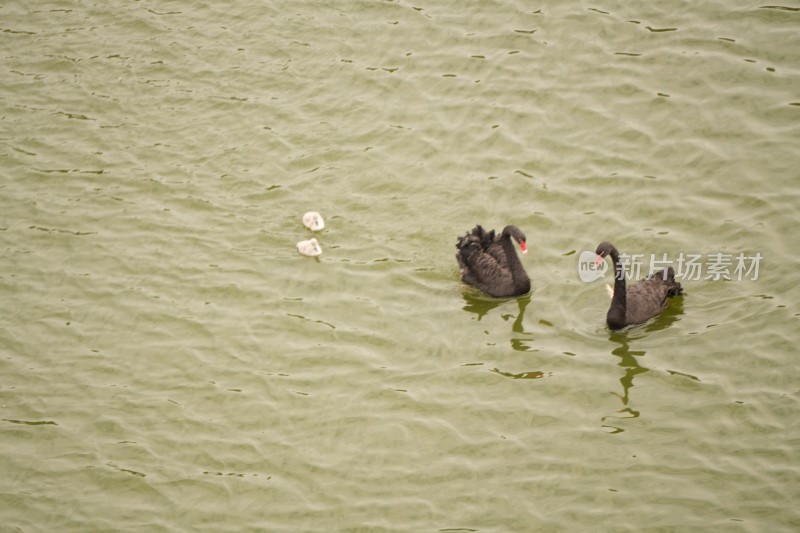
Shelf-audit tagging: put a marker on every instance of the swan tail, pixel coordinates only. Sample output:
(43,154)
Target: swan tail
(468,245)
(673,287)
(477,235)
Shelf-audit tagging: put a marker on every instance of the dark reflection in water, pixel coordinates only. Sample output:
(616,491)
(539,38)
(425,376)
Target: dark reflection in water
(520,344)
(522,375)
(481,305)
(669,316)
(523,302)
(629,359)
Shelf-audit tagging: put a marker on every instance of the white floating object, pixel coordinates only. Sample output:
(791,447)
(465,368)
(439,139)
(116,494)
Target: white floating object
(310,247)
(610,290)
(313,221)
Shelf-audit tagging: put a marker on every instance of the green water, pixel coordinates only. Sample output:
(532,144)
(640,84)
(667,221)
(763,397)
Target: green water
(171,363)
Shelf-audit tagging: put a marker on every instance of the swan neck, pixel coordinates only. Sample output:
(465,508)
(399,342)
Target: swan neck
(518,273)
(619,281)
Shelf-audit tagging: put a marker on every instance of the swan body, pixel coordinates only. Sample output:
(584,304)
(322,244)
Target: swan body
(313,221)
(310,247)
(490,262)
(640,301)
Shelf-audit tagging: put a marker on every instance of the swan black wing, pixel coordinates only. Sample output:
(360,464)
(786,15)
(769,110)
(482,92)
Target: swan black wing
(648,297)
(489,275)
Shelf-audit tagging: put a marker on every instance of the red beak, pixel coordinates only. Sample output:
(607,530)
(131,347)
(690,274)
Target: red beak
(523,247)
(598,260)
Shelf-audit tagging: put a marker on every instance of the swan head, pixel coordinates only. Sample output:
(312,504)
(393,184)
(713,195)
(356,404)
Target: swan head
(313,221)
(515,232)
(310,247)
(604,249)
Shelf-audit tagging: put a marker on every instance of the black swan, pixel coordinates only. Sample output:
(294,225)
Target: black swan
(643,299)
(491,264)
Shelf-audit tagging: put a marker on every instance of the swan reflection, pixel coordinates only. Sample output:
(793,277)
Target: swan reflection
(628,361)
(482,305)
(479,304)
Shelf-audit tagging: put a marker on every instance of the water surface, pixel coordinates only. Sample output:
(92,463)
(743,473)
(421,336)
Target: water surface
(171,363)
